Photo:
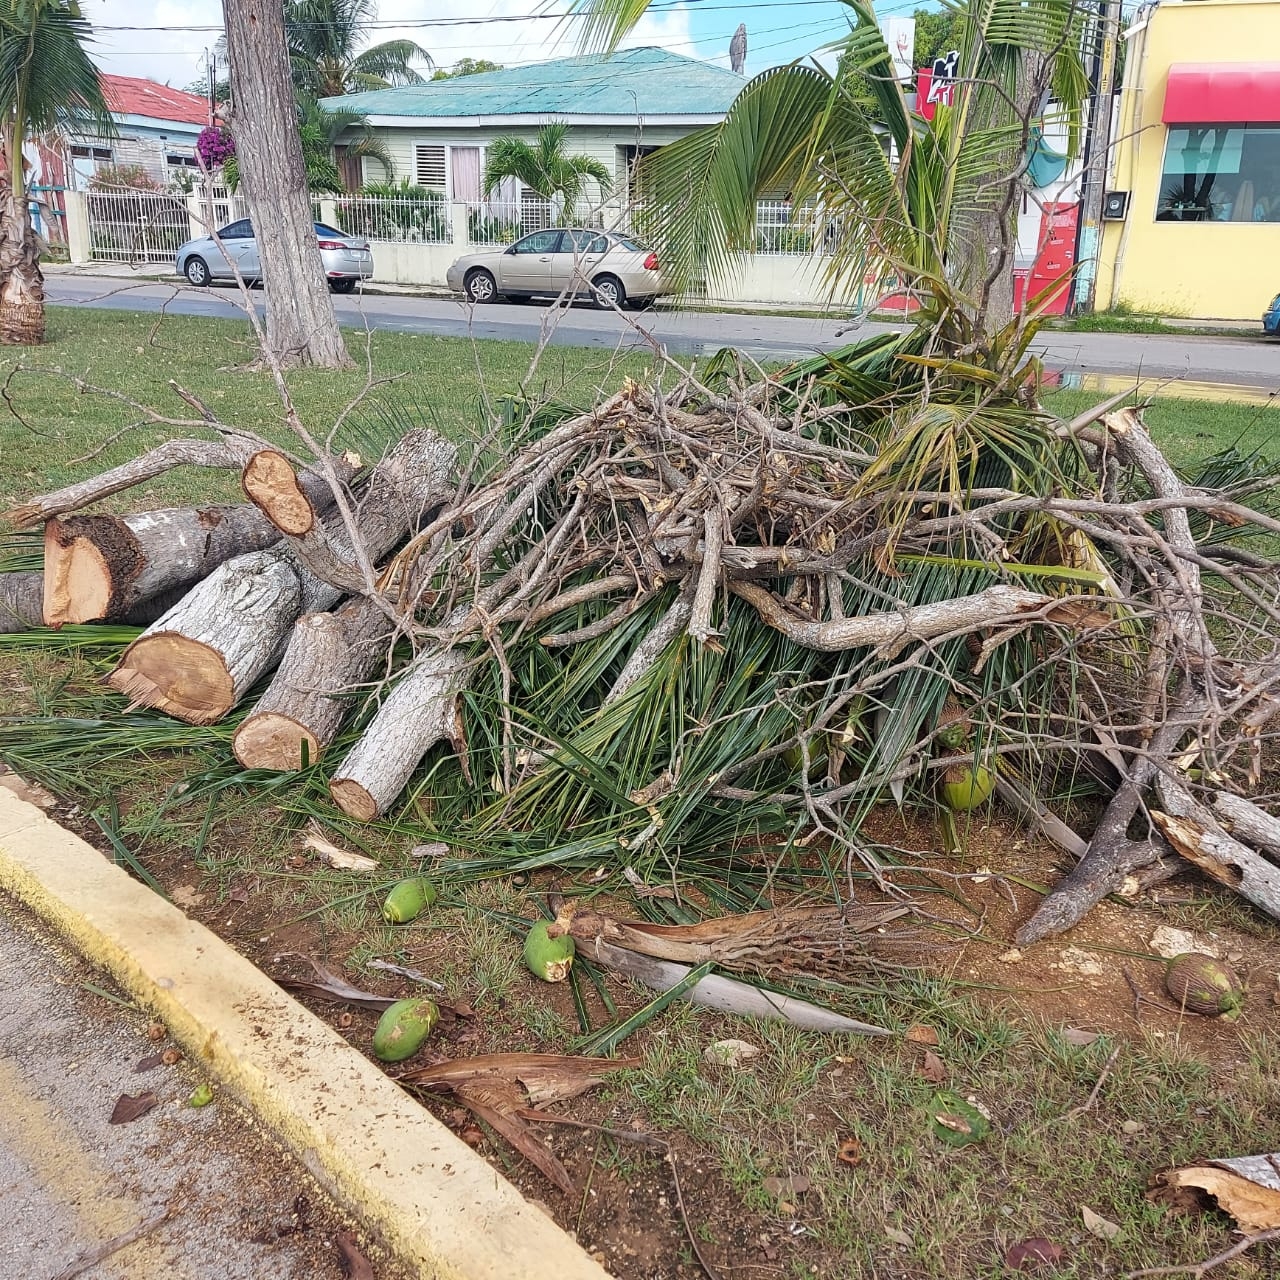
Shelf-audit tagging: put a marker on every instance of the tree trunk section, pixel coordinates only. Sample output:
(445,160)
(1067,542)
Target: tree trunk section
(20,599)
(302,328)
(21,281)
(329,655)
(420,710)
(234,626)
(1246,821)
(101,567)
(202,657)
(291,500)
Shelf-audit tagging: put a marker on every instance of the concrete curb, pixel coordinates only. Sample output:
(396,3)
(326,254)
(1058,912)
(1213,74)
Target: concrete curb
(436,1204)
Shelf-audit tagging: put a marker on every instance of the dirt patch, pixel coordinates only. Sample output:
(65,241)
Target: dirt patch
(625,1209)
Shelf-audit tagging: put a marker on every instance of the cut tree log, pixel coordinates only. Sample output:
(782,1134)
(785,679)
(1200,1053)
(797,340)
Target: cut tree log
(201,658)
(292,500)
(1196,835)
(1246,821)
(100,567)
(328,656)
(204,654)
(420,710)
(20,601)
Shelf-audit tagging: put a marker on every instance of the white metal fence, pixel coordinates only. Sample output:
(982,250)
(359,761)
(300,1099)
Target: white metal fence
(495,222)
(398,219)
(126,225)
(784,228)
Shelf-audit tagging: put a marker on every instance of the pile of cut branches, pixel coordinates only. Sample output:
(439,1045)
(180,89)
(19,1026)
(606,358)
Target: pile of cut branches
(715,616)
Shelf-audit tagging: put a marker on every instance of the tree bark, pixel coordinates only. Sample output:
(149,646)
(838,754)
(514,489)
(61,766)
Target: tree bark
(20,597)
(421,709)
(329,655)
(1246,820)
(1193,832)
(202,657)
(101,567)
(302,328)
(21,281)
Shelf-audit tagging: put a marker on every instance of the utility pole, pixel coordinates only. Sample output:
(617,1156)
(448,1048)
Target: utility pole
(1097,154)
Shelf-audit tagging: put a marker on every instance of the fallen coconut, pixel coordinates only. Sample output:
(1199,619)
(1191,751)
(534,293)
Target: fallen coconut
(1203,985)
(966,786)
(408,900)
(548,958)
(402,1029)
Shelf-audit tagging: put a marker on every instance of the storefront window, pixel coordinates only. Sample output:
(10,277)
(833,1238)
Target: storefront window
(1221,173)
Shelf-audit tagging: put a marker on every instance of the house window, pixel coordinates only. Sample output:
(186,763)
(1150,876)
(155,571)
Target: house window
(1221,173)
(92,153)
(430,166)
(175,160)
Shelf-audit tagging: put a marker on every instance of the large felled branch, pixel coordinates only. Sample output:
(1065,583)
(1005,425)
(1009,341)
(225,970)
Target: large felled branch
(891,631)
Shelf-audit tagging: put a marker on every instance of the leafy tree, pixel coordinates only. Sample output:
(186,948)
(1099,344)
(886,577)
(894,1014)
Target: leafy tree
(324,39)
(465,67)
(934,200)
(544,167)
(47,84)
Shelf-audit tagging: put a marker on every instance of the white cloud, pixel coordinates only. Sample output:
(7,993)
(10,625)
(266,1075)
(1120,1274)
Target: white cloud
(175,55)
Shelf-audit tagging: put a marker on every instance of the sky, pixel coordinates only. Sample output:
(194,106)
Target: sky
(165,40)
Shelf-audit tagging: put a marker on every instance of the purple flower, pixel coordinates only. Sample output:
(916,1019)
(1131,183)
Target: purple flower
(215,146)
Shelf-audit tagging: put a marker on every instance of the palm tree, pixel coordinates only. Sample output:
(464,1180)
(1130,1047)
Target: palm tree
(324,48)
(930,199)
(321,129)
(544,167)
(47,83)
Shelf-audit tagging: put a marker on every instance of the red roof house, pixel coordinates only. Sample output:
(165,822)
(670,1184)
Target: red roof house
(131,96)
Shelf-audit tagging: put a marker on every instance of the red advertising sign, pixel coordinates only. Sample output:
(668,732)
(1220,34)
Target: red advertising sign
(936,85)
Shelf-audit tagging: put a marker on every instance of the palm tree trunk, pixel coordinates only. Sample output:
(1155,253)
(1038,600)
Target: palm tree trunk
(21,281)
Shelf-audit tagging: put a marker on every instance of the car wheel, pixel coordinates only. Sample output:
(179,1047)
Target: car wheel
(480,286)
(197,271)
(342,286)
(608,292)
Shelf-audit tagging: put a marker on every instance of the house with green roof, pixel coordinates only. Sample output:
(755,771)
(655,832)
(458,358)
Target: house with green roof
(618,108)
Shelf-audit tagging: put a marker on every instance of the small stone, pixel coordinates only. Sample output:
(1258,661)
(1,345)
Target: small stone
(156,1031)
(1168,942)
(1130,1127)
(899,1237)
(1012,956)
(730,1053)
(1081,962)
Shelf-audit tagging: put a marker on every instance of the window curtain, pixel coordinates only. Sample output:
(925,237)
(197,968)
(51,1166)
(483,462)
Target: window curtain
(465,165)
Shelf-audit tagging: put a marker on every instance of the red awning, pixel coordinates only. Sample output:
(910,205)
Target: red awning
(1223,93)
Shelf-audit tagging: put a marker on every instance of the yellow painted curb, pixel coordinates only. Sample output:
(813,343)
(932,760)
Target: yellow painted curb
(434,1203)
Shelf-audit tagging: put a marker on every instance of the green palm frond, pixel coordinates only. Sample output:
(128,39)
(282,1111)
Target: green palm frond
(48,82)
(325,38)
(544,167)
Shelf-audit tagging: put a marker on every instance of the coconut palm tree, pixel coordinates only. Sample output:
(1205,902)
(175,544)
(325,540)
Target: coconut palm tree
(544,167)
(47,83)
(930,199)
(324,48)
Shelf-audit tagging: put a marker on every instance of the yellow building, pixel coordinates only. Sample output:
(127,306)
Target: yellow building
(1193,209)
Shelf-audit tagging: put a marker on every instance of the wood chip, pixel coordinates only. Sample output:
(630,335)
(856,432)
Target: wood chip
(920,1034)
(338,858)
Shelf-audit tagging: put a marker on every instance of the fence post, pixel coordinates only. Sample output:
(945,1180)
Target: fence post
(329,211)
(79,236)
(198,219)
(458,213)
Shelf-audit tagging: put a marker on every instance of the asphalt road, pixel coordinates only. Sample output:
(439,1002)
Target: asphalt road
(1244,361)
(71,1181)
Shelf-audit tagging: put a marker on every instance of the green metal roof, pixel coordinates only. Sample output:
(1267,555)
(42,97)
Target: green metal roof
(645,82)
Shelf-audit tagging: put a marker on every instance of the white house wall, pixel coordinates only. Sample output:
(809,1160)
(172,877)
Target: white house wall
(600,142)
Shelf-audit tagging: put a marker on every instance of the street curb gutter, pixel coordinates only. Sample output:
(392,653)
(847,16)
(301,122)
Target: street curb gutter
(434,1203)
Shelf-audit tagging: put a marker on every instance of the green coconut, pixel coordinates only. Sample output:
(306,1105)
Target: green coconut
(408,900)
(402,1029)
(966,786)
(953,725)
(1204,985)
(548,958)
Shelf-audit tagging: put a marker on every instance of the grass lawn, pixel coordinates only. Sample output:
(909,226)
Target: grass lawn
(905,1205)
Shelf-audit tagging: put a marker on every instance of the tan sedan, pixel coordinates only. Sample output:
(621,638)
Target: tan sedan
(610,268)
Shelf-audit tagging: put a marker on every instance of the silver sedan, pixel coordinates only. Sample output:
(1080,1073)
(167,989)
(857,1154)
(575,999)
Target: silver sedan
(610,268)
(346,259)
